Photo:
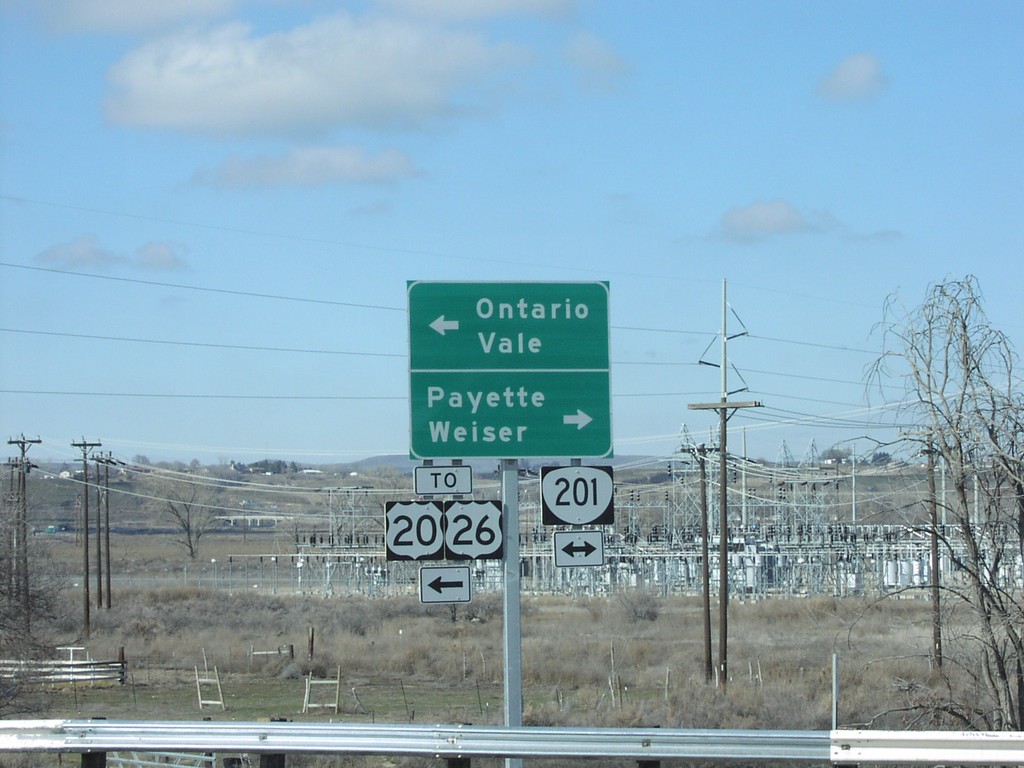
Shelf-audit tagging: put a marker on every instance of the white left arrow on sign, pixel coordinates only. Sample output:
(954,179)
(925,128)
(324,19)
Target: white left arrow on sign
(442,326)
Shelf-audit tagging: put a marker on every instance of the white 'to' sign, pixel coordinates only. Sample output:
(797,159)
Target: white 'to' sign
(456,480)
(577,495)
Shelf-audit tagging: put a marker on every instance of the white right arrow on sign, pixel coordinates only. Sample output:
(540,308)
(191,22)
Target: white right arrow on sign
(580,419)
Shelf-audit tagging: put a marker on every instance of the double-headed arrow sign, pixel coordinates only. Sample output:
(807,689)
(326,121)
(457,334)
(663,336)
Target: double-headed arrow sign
(578,548)
(572,549)
(509,370)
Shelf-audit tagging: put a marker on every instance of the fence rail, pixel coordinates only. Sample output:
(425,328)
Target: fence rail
(137,759)
(62,671)
(460,743)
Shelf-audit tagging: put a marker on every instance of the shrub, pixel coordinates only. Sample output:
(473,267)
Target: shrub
(639,605)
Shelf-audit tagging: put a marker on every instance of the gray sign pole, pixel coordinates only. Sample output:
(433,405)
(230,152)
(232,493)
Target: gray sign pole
(513,635)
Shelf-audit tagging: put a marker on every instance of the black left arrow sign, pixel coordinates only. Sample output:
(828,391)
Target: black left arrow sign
(439,584)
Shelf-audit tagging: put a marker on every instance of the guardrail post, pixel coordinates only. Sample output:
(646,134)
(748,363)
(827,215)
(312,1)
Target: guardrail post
(272,761)
(648,764)
(458,762)
(94,760)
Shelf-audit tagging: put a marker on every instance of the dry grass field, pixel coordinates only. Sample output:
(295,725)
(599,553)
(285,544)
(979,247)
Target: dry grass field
(585,661)
(631,658)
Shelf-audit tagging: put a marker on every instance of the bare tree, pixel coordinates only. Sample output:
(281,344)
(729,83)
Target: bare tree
(188,505)
(964,399)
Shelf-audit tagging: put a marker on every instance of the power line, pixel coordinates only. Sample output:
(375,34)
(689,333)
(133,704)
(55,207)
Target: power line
(208,345)
(184,287)
(823,379)
(815,345)
(223,227)
(806,399)
(189,481)
(355,305)
(352,454)
(320,240)
(193,396)
(254,348)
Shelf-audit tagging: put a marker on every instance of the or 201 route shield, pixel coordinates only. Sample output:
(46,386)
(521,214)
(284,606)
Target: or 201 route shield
(577,496)
(509,370)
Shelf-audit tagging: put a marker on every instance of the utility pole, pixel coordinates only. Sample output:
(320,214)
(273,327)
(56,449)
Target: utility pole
(107,461)
(724,408)
(853,485)
(21,591)
(934,558)
(701,453)
(10,507)
(106,519)
(99,536)
(85,448)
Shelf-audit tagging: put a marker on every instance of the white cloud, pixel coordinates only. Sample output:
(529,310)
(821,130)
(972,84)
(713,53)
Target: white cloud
(336,71)
(760,220)
(373,209)
(311,166)
(83,251)
(161,257)
(856,77)
(86,252)
(771,218)
(129,15)
(597,66)
(480,9)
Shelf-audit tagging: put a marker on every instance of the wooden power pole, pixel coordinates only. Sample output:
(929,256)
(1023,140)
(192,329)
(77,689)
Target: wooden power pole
(85,448)
(21,593)
(725,409)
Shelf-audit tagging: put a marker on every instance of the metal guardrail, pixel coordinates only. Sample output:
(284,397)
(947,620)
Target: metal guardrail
(444,741)
(929,747)
(464,742)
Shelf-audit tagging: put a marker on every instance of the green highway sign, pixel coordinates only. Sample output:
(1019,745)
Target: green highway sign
(509,370)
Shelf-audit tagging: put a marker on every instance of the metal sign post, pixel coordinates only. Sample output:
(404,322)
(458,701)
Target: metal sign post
(513,696)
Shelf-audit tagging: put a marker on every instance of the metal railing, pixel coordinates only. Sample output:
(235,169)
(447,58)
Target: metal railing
(461,743)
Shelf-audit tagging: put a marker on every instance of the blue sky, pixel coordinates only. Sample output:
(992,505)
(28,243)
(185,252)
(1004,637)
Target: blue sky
(209,209)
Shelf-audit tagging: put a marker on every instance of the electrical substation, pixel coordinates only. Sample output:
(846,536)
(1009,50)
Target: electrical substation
(796,528)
